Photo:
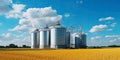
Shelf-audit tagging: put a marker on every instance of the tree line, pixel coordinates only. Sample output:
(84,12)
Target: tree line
(14,46)
(25,46)
(104,46)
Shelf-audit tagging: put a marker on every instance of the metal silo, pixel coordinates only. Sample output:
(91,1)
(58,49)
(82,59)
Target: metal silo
(44,38)
(68,38)
(35,39)
(72,42)
(58,36)
(78,41)
(83,36)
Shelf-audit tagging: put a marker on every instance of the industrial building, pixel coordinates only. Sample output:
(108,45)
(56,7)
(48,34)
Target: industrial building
(35,39)
(80,40)
(56,37)
(44,37)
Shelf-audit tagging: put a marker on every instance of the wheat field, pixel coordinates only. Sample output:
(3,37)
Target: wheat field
(60,54)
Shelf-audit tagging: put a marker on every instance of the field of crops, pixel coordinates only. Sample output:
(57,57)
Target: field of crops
(60,54)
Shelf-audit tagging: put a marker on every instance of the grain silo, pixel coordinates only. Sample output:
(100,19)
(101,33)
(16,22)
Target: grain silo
(58,36)
(35,38)
(44,38)
(78,41)
(68,36)
(83,40)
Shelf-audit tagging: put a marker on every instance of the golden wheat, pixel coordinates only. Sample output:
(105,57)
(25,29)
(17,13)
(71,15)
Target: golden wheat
(62,54)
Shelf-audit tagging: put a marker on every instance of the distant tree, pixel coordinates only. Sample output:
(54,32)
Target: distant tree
(24,46)
(2,46)
(94,47)
(7,47)
(113,46)
(13,46)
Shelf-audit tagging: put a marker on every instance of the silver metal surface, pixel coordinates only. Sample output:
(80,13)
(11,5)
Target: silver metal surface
(35,39)
(44,38)
(58,37)
(68,36)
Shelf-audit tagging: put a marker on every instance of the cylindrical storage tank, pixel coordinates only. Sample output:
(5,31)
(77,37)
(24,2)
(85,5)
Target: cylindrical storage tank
(35,39)
(68,39)
(44,38)
(83,36)
(58,37)
(72,42)
(77,41)
(80,41)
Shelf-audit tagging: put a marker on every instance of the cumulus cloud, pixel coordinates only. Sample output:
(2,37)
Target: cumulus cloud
(105,40)
(66,15)
(98,28)
(113,38)
(5,6)
(36,18)
(106,18)
(113,24)
(21,28)
(29,19)
(19,39)
(16,12)
(96,38)
(7,35)
(79,2)
(11,10)
(110,29)
(42,16)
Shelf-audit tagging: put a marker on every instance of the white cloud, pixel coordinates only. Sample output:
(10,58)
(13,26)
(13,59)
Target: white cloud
(19,39)
(36,18)
(7,35)
(24,22)
(105,40)
(67,15)
(110,29)
(95,38)
(21,28)
(113,24)
(16,12)
(28,20)
(98,28)
(11,10)
(5,6)
(79,2)
(31,18)
(113,38)
(106,18)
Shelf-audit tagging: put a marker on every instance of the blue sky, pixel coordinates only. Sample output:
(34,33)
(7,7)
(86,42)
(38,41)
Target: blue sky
(99,19)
